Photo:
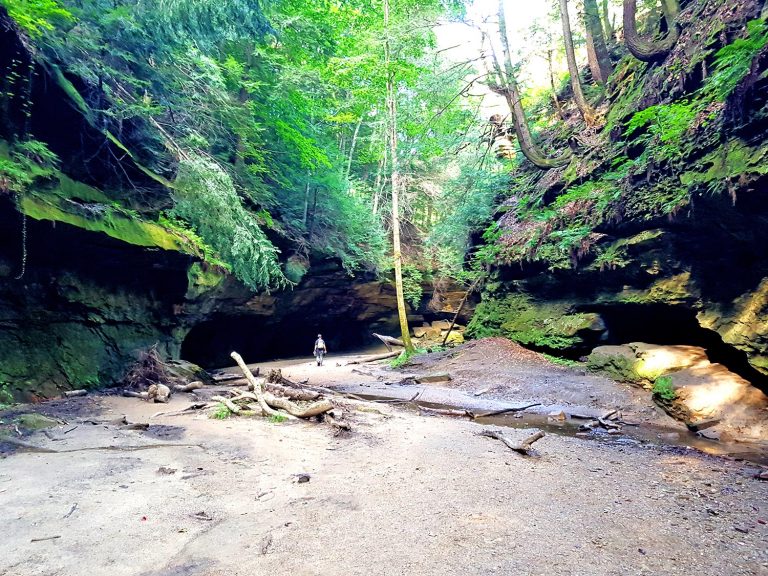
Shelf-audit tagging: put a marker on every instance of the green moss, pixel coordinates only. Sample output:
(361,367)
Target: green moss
(34,421)
(620,367)
(202,278)
(74,190)
(295,269)
(100,218)
(541,325)
(733,160)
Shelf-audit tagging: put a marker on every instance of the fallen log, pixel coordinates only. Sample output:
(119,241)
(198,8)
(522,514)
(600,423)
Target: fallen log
(75,393)
(608,425)
(506,411)
(446,412)
(190,408)
(295,410)
(389,341)
(132,394)
(374,358)
(293,393)
(257,386)
(188,387)
(431,378)
(523,447)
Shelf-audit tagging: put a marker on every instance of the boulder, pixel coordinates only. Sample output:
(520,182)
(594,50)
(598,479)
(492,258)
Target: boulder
(644,363)
(455,337)
(715,398)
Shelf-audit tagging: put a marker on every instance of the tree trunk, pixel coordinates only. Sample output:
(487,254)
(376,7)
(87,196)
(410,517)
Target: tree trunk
(506,86)
(609,31)
(352,146)
(395,182)
(587,112)
(649,50)
(599,59)
(306,204)
(555,99)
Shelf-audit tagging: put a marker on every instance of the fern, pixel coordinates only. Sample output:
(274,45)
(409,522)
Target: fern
(734,61)
(206,198)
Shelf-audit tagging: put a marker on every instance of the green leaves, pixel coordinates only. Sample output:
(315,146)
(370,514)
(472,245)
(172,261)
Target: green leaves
(36,16)
(206,198)
(734,61)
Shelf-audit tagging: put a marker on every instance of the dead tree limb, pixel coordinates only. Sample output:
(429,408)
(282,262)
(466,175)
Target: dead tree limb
(293,393)
(257,386)
(75,393)
(506,411)
(299,411)
(461,305)
(231,406)
(389,341)
(523,447)
(446,412)
(374,358)
(188,387)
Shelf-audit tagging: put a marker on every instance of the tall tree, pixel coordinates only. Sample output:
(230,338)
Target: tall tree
(587,112)
(609,31)
(650,50)
(597,50)
(503,81)
(395,183)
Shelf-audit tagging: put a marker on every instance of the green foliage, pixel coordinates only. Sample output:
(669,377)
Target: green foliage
(277,418)
(559,361)
(206,198)
(26,161)
(220,412)
(663,388)
(666,126)
(412,285)
(405,358)
(36,16)
(734,61)
(6,397)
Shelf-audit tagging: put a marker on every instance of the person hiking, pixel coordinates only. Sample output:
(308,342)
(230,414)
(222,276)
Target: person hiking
(320,349)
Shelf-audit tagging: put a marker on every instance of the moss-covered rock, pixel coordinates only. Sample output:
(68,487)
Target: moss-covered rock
(543,325)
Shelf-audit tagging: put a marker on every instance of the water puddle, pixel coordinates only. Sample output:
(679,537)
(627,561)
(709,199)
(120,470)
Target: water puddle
(637,435)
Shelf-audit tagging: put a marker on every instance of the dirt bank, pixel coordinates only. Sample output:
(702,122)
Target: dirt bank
(403,494)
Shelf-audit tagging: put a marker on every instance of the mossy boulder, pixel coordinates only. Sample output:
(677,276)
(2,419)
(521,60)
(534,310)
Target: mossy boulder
(643,363)
(33,421)
(543,325)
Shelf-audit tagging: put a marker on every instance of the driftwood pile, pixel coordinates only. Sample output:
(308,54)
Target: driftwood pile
(274,396)
(612,422)
(150,380)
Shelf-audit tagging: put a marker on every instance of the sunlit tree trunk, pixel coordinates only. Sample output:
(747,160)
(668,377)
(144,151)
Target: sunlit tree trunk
(586,110)
(395,182)
(505,84)
(648,50)
(597,50)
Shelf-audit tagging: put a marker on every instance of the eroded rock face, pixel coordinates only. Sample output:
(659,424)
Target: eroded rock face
(702,278)
(690,387)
